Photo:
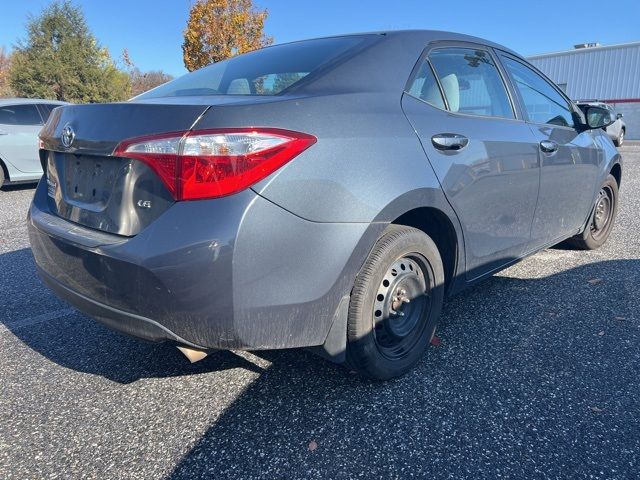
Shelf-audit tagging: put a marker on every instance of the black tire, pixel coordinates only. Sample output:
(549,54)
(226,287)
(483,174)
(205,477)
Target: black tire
(599,227)
(620,140)
(1,175)
(399,339)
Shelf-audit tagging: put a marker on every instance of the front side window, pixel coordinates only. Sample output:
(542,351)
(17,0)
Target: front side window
(542,102)
(471,82)
(267,71)
(19,115)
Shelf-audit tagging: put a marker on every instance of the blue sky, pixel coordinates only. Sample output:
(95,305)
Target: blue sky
(152,29)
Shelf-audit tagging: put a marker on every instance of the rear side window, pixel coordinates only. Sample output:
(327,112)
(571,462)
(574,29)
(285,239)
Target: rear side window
(542,101)
(20,115)
(471,82)
(425,87)
(45,109)
(268,71)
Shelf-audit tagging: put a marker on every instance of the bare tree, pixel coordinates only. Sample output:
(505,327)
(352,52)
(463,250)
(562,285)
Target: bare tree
(142,81)
(5,65)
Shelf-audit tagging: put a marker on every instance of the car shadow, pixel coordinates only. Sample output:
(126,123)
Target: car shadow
(69,338)
(523,367)
(517,357)
(19,186)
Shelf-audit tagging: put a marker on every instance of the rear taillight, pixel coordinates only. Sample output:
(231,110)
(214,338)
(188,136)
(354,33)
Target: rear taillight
(214,163)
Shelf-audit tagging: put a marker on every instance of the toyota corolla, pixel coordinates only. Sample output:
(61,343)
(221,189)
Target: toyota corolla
(328,193)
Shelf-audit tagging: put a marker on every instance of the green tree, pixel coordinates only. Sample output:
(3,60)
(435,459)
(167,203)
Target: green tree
(284,80)
(62,60)
(219,29)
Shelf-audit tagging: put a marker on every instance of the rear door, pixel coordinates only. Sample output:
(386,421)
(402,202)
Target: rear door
(569,158)
(482,152)
(19,127)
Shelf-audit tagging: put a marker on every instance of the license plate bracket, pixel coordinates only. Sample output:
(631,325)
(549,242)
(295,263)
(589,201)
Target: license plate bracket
(90,180)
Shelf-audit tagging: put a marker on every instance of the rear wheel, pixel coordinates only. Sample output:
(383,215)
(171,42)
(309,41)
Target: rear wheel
(395,304)
(602,219)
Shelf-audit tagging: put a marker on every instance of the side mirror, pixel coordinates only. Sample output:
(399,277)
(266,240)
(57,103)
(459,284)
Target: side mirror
(619,116)
(598,117)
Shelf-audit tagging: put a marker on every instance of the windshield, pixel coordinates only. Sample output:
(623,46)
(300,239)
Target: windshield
(268,71)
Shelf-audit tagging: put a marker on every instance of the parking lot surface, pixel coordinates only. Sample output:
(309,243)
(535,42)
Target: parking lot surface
(536,376)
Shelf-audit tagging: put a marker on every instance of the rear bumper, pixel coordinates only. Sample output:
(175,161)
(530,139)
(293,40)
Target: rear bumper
(113,318)
(236,272)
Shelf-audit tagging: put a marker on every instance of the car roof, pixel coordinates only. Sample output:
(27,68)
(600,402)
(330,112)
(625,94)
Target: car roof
(593,103)
(398,50)
(423,36)
(26,101)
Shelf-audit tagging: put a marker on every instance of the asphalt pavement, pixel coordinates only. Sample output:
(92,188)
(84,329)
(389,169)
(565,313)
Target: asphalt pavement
(536,376)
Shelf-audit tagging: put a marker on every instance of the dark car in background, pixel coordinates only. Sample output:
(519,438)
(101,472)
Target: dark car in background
(327,193)
(618,129)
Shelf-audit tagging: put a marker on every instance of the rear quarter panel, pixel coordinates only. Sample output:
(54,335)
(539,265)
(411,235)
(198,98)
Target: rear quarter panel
(366,169)
(367,155)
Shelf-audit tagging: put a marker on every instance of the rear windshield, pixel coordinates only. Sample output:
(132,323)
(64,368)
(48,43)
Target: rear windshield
(268,71)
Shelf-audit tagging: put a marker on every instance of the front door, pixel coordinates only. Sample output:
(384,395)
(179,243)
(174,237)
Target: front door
(569,158)
(484,156)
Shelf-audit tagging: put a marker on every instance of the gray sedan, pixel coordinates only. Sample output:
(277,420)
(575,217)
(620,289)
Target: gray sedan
(21,120)
(328,194)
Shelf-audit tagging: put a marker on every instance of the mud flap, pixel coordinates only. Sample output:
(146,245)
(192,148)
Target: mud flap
(334,347)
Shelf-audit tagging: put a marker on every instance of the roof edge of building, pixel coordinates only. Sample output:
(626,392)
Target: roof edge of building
(584,50)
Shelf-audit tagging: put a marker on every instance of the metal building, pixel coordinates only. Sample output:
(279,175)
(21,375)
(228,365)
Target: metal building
(592,72)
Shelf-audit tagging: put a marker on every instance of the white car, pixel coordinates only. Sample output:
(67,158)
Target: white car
(20,122)
(617,129)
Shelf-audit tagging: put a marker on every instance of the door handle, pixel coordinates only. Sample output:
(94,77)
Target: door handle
(449,141)
(548,146)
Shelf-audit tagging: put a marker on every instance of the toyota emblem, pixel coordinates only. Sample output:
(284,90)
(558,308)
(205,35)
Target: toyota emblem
(68,135)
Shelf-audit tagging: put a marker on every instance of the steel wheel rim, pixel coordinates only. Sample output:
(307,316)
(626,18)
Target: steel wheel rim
(602,213)
(401,306)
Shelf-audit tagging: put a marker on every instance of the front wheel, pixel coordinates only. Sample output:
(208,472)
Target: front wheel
(620,140)
(395,304)
(602,218)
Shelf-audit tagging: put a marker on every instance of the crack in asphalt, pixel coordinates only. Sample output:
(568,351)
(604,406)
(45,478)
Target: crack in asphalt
(30,321)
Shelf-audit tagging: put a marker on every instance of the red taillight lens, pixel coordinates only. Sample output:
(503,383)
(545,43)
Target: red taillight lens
(214,163)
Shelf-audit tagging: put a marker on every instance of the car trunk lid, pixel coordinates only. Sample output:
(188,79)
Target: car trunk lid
(90,186)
